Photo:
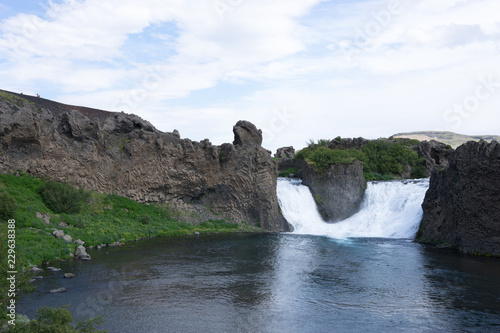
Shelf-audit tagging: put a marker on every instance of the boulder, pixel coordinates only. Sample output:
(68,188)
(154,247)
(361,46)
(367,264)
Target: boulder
(69,275)
(53,269)
(79,242)
(81,253)
(44,217)
(58,290)
(67,238)
(462,206)
(58,233)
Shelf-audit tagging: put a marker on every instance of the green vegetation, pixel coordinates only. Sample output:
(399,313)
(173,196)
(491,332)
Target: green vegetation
(219,224)
(63,198)
(56,320)
(288,171)
(8,207)
(382,159)
(318,198)
(391,158)
(323,157)
(12,99)
(101,219)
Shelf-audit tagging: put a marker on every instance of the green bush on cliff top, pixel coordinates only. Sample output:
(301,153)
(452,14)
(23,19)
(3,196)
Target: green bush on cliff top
(382,159)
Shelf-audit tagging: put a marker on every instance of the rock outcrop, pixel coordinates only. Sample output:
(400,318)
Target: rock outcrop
(436,155)
(124,154)
(347,143)
(285,153)
(462,205)
(338,191)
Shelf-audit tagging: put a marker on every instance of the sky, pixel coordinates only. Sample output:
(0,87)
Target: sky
(299,70)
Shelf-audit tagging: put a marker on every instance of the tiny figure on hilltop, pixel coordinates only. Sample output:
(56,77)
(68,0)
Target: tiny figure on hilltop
(37,95)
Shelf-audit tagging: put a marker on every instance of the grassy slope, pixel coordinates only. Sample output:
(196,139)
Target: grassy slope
(104,219)
(450,138)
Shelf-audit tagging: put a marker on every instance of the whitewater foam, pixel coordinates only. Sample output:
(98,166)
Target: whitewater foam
(390,209)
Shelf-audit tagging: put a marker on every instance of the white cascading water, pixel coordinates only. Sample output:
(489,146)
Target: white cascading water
(390,210)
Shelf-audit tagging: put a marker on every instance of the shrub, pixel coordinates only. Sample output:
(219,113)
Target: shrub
(386,157)
(288,171)
(322,157)
(382,159)
(8,207)
(57,320)
(64,198)
(164,212)
(145,219)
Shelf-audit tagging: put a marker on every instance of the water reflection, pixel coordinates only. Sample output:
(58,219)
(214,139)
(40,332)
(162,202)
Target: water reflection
(464,288)
(278,283)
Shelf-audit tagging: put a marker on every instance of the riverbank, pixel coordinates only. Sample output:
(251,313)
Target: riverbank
(103,220)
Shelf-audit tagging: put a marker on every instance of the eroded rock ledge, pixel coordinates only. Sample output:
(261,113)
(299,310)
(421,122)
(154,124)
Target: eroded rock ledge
(124,154)
(462,205)
(338,191)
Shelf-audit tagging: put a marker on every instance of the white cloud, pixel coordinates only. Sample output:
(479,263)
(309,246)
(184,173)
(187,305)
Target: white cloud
(421,58)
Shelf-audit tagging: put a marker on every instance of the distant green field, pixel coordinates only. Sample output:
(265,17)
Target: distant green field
(449,138)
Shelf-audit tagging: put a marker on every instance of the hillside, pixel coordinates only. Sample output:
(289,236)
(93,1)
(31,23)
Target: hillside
(55,107)
(114,152)
(449,138)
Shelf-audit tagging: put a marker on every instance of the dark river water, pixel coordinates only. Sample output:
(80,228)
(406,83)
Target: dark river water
(278,283)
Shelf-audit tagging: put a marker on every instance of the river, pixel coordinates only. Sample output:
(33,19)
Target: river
(365,274)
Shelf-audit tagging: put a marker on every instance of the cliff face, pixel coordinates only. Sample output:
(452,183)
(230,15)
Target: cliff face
(123,154)
(462,205)
(436,155)
(338,191)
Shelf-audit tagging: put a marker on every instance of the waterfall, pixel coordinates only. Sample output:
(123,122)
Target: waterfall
(390,209)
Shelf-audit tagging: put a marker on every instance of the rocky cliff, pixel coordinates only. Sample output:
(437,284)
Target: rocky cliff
(462,205)
(436,155)
(124,154)
(338,191)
